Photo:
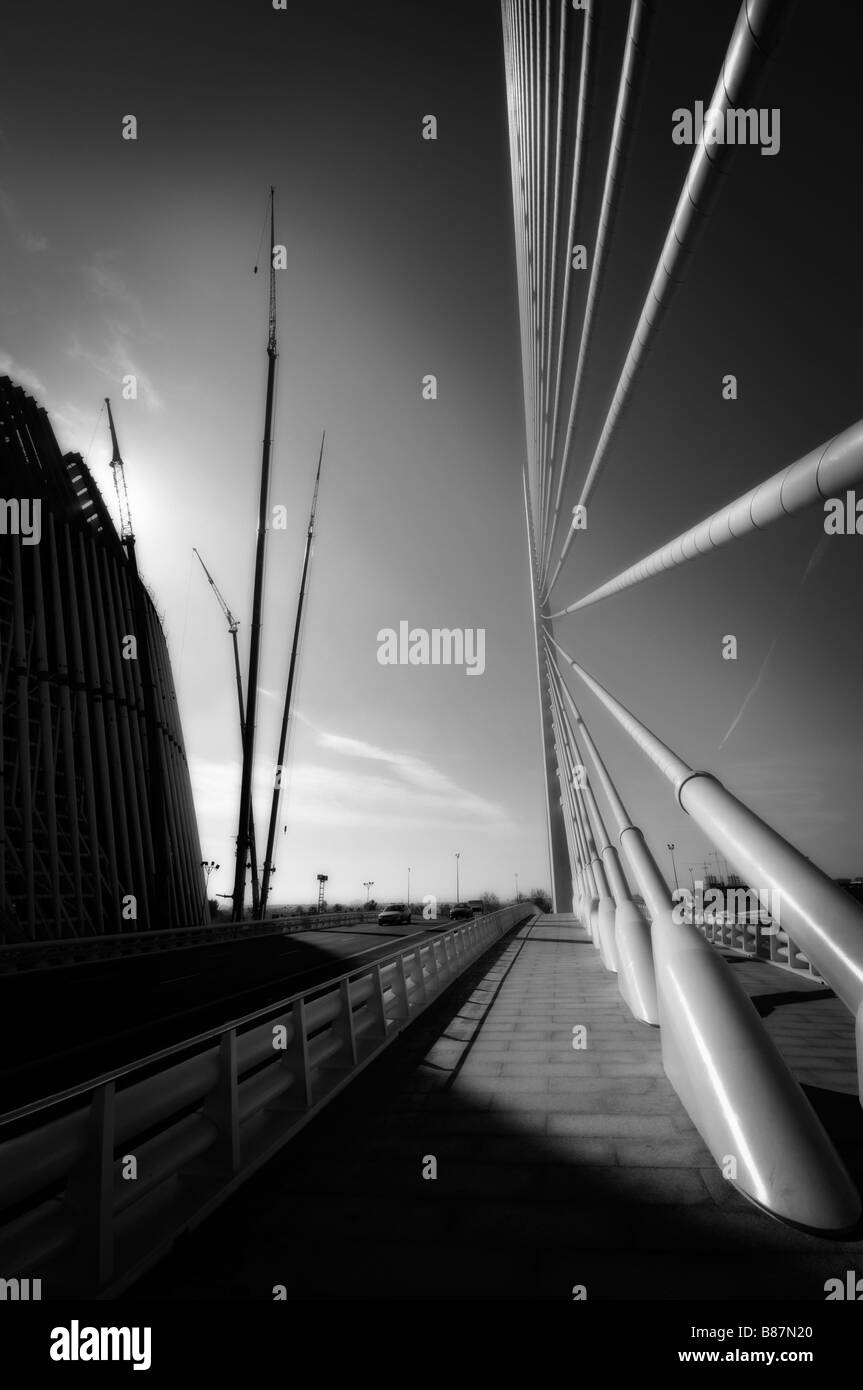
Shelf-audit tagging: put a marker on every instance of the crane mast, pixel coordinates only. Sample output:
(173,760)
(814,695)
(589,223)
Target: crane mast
(162,849)
(127,535)
(257,595)
(233,625)
(286,713)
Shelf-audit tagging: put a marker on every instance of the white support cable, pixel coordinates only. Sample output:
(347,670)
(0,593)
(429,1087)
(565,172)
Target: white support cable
(826,471)
(607,851)
(532,288)
(631,934)
(590,803)
(571,761)
(616,806)
(720,1059)
(753,40)
(566,762)
(558,148)
(546,268)
(518,214)
(521,186)
(575,187)
(605,907)
(826,922)
(576,864)
(537,246)
(669,764)
(584,867)
(535,617)
(544,246)
(526,51)
(634,46)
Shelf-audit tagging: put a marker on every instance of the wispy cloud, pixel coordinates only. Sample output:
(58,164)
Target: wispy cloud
(812,564)
(28,240)
(388,789)
(126,325)
(21,375)
(109,286)
(412,775)
(75,428)
(803,794)
(116,362)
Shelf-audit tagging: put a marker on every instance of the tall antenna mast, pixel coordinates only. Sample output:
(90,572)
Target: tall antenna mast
(257,595)
(274,806)
(127,535)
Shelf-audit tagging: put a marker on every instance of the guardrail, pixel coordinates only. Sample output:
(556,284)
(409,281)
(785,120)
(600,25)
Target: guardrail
(760,941)
(37,955)
(97,1183)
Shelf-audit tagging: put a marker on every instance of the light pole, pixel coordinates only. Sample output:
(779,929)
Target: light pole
(670,849)
(457,857)
(322,879)
(209,865)
(517,895)
(368,885)
(409,887)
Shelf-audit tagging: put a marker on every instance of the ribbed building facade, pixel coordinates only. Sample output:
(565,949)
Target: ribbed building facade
(97,825)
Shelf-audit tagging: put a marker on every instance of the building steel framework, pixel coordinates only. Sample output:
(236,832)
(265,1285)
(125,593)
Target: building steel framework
(97,825)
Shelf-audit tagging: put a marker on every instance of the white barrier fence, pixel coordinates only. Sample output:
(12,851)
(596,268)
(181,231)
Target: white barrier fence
(97,1183)
(760,941)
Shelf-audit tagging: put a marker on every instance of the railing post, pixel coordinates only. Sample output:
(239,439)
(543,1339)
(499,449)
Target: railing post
(90,1189)
(221,1108)
(400,989)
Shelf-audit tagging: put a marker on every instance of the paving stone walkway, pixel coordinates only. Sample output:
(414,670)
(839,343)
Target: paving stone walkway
(556,1166)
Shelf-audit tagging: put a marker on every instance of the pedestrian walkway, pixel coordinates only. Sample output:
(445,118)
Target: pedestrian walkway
(556,1166)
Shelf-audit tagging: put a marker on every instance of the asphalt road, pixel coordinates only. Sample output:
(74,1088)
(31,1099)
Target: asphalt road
(62,1027)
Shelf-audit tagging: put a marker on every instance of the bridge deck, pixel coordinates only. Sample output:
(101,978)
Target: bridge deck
(555,1166)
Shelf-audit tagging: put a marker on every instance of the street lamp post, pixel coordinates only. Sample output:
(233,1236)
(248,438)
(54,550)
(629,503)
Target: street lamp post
(670,849)
(457,857)
(209,865)
(517,896)
(409,888)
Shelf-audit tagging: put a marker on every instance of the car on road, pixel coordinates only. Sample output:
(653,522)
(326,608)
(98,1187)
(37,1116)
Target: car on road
(396,915)
(477,906)
(460,912)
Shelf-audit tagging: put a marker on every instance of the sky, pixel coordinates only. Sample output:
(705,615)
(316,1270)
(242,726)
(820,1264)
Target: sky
(137,257)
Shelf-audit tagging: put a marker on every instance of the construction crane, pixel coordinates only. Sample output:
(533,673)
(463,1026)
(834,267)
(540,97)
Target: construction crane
(233,625)
(286,713)
(159,891)
(244,821)
(127,535)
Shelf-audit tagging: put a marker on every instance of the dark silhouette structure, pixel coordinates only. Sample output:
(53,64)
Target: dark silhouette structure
(97,826)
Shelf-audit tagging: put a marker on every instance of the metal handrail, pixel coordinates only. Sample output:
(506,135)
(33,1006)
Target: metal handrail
(74,950)
(95,1193)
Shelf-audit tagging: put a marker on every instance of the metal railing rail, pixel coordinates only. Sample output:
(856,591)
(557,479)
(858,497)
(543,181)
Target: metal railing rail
(759,941)
(31,955)
(93,1193)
